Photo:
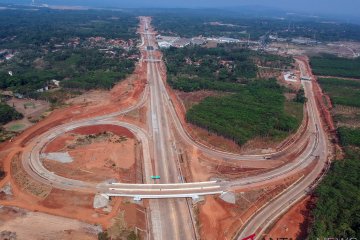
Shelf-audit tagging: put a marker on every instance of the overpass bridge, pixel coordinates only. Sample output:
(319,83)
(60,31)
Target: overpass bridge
(151,60)
(155,191)
(147,33)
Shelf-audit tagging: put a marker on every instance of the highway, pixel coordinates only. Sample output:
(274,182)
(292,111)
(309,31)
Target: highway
(268,214)
(170,209)
(171,218)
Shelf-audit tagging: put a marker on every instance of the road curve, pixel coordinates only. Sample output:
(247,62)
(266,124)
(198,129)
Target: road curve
(269,213)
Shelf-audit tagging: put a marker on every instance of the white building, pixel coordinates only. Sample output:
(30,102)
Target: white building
(164,44)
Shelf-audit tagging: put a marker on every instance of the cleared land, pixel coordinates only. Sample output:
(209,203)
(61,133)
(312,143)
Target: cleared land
(295,222)
(93,154)
(30,225)
(221,220)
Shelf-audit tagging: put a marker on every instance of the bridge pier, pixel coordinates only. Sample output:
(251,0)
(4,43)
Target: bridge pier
(137,198)
(101,201)
(195,198)
(228,197)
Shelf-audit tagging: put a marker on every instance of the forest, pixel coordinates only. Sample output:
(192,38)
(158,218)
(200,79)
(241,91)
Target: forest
(349,136)
(190,23)
(42,42)
(338,197)
(329,65)
(257,110)
(23,27)
(222,68)
(78,68)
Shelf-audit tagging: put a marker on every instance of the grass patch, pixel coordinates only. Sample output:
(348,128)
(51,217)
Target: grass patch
(16,127)
(58,97)
(5,135)
(295,110)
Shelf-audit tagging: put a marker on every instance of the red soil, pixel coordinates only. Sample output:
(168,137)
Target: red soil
(95,161)
(214,219)
(59,143)
(191,98)
(120,131)
(295,222)
(221,220)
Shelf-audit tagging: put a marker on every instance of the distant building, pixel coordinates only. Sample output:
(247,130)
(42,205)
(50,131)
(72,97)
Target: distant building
(18,95)
(56,82)
(166,41)
(224,40)
(198,41)
(3,52)
(9,56)
(182,42)
(228,40)
(290,77)
(272,49)
(276,38)
(303,40)
(273,37)
(164,44)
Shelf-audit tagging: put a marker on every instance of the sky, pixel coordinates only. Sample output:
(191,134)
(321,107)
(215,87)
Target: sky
(326,7)
(338,7)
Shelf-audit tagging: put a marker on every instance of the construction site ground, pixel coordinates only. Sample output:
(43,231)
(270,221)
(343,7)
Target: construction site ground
(341,49)
(221,220)
(15,222)
(99,153)
(294,224)
(35,197)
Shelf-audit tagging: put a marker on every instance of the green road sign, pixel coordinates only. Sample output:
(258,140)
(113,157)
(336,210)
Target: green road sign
(155,177)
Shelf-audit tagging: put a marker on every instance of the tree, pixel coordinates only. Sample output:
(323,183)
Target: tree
(300,96)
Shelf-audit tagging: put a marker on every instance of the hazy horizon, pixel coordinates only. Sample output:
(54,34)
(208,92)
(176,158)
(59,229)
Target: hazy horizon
(335,8)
